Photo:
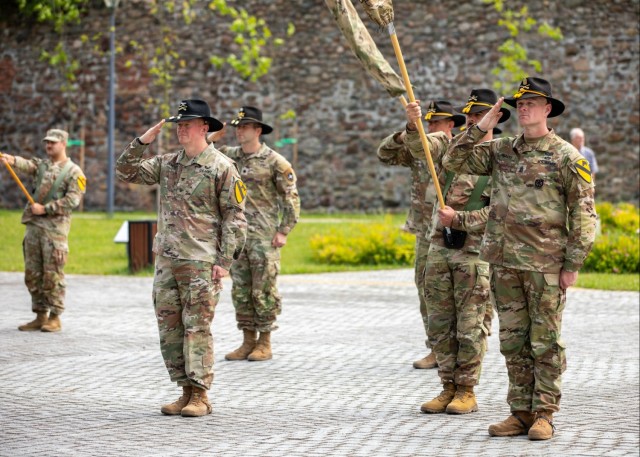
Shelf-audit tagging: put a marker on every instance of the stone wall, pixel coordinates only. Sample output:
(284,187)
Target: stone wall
(449,46)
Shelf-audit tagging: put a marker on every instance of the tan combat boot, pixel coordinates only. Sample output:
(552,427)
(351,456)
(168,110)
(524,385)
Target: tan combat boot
(248,345)
(518,423)
(542,428)
(198,404)
(263,348)
(36,324)
(175,408)
(53,324)
(463,402)
(439,404)
(426,362)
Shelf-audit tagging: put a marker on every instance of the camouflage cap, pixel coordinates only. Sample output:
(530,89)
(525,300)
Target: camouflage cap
(56,135)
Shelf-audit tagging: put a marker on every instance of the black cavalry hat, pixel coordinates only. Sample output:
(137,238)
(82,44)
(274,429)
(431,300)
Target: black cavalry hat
(536,87)
(251,115)
(481,100)
(196,109)
(442,109)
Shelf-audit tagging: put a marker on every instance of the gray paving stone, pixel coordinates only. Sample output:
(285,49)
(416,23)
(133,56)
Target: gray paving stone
(340,384)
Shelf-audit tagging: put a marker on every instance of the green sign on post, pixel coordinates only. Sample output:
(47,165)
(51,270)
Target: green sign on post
(284,141)
(75,143)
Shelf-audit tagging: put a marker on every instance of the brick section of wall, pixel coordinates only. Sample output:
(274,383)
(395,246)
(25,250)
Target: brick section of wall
(449,46)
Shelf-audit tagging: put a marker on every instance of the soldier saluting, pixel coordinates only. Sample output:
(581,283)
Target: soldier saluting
(201,230)
(541,227)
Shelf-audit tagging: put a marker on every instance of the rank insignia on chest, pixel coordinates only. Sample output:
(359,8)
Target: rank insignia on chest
(240,191)
(583,169)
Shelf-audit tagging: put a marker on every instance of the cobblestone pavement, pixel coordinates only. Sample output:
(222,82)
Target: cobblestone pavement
(340,384)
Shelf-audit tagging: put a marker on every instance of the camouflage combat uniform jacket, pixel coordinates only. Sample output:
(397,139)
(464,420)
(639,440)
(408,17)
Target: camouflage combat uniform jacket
(472,222)
(392,153)
(201,202)
(272,203)
(57,221)
(542,214)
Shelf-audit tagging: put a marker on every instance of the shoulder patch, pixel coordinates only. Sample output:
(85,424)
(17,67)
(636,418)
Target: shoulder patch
(82,183)
(583,169)
(239,191)
(289,175)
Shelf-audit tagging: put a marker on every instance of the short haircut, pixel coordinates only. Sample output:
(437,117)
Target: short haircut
(576,132)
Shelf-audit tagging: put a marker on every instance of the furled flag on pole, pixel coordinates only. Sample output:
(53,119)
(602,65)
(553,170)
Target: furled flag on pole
(364,47)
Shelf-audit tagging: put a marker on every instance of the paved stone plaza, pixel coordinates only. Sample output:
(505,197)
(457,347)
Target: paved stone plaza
(340,384)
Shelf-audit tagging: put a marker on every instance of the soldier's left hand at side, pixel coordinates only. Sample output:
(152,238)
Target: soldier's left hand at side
(279,240)
(567,278)
(218,272)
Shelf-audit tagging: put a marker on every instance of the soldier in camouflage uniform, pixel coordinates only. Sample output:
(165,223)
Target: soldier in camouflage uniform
(201,230)
(392,151)
(456,280)
(273,208)
(541,227)
(58,189)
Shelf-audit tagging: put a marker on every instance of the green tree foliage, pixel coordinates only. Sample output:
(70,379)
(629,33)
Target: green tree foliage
(514,63)
(57,12)
(252,36)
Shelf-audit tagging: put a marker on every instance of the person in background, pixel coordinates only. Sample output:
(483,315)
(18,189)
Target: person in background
(272,210)
(58,189)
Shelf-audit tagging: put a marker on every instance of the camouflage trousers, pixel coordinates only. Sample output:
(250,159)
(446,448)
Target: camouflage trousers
(44,270)
(422,250)
(457,292)
(530,306)
(254,291)
(185,299)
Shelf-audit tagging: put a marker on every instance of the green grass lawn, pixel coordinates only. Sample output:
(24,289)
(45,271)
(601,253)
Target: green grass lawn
(93,251)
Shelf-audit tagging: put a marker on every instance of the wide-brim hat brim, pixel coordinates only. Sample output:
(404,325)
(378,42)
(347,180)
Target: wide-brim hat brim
(266,128)
(457,119)
(214,124)
(557,107)
(506,113)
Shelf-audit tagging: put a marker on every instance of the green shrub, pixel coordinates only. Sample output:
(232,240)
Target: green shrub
(616,253)
(623,217)
(365,244)
(617,250)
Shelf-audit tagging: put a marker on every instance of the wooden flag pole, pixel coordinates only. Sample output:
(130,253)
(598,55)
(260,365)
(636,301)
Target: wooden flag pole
(407,86)
(17,180)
